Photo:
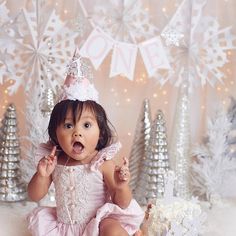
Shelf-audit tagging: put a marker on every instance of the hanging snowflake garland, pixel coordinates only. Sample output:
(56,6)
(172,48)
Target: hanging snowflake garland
(6,45)
(127,21)
(45,46)
(201,46)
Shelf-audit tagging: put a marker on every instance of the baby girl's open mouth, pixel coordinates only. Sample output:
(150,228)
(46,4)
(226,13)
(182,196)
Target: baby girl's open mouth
(78,147)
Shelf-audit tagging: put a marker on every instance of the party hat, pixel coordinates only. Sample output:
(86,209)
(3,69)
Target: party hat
(77,86)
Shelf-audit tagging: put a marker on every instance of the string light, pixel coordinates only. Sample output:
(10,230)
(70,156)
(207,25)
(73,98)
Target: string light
(229,71)
(164,9)
(164,92)
(154,95)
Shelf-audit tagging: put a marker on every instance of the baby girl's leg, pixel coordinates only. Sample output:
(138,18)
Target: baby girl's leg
(111,227)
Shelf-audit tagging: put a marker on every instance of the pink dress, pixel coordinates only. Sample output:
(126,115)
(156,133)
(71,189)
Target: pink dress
(82,202)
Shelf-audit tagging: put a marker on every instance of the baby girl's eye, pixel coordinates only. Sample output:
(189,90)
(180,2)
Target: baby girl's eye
(87,125)
(68,125)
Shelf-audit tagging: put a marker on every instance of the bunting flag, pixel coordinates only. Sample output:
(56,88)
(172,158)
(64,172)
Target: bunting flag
(123,59)
(96,47)
(154,56)
(124,55)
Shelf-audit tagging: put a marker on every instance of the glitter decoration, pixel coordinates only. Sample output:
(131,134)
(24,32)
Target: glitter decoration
(48,102)
(172,37)
(79,67)
(141,180)
(158,161)
(140,144)
(12,188)
(77,80)
(180,143)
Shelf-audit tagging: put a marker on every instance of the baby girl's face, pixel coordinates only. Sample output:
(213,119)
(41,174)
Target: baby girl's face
(79,140)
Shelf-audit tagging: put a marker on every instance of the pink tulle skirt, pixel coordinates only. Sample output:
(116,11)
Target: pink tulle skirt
(43,221)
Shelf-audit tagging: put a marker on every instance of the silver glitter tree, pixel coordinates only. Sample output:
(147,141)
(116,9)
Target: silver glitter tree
(158,161)
(180,143)
(11,187)
(48,102)
(140,143)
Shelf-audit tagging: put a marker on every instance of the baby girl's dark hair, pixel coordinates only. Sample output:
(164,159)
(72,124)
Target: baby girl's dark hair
(58,116)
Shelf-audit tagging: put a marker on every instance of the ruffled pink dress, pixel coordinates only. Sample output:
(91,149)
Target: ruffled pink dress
(82,202)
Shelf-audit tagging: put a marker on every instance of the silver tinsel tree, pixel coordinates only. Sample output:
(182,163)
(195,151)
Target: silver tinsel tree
(158,160)
(11,186)
(48,102)
(140,143)
(180,143)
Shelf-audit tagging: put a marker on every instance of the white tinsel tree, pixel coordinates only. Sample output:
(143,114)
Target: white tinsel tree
(214,171)
(180,142)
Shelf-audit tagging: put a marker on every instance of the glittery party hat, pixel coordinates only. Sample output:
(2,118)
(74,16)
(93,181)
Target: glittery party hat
(77,86)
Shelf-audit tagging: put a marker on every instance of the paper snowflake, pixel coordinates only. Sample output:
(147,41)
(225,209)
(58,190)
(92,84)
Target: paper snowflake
(125,21)
(172,37)
(42,50)
(202,52)
(6,46)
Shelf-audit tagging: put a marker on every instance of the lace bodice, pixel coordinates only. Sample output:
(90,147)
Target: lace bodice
(79,193)
(80,189)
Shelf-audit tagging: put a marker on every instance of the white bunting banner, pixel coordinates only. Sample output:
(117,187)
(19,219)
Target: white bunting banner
(154,56)
(123,59)
(96,47)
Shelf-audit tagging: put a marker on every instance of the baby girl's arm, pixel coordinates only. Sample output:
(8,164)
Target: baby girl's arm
(117,181)
(40,182)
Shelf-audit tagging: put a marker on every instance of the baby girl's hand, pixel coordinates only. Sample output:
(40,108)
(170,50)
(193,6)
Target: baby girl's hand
(123,171)
(47,164)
